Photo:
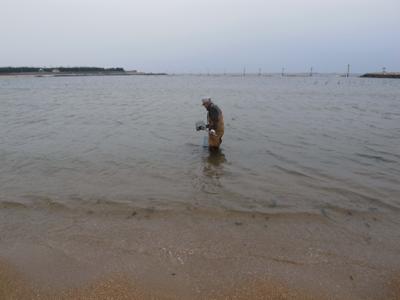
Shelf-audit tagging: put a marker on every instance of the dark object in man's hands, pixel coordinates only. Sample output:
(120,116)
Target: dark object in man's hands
(200,125)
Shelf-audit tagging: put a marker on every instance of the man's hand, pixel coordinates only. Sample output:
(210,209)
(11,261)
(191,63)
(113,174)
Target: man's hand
(212,132)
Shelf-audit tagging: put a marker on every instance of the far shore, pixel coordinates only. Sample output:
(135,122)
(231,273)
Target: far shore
(65,74)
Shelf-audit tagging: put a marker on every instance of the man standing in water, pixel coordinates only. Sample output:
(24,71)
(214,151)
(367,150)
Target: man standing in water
(215,124)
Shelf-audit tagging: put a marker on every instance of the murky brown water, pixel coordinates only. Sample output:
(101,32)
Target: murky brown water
(291,144)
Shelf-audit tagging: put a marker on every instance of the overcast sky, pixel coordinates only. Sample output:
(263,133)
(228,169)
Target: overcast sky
(202,35)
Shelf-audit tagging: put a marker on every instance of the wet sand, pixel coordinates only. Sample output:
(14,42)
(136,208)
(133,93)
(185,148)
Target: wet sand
(143,253)
(119,287)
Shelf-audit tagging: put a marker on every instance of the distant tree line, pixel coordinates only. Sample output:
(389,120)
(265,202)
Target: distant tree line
(60,69)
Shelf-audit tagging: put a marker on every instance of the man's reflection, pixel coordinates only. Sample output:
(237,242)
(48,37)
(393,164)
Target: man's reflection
(214,163)
(216,157)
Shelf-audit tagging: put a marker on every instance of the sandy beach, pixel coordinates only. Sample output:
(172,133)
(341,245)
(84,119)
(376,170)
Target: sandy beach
(193,254)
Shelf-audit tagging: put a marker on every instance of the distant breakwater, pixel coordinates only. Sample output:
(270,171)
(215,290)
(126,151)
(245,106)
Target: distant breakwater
(382,75)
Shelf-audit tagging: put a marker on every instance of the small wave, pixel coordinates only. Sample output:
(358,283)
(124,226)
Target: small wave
(10,204)
(293,172)
(375,157)
(355,195)
(382,152)
(103,207)
(45,202)
(159,136)
(326,209)
(35,121)
(286,144)
(279,157)
(358,161)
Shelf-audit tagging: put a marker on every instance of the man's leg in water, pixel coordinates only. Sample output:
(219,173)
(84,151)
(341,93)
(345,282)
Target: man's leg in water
(214,141)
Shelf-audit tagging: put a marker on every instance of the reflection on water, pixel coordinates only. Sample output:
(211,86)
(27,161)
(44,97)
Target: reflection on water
(213,163)
(216,158)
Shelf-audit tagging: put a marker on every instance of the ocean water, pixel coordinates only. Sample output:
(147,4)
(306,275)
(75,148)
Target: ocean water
(292,144)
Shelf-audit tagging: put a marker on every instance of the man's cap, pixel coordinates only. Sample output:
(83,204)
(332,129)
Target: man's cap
(206,100)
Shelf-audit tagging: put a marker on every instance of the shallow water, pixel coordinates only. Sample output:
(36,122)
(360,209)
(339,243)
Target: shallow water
(291,144)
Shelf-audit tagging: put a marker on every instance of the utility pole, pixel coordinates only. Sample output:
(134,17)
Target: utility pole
(348,71)
(311,71)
